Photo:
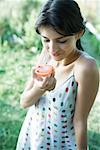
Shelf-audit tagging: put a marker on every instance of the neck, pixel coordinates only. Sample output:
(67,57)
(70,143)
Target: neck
(71,58)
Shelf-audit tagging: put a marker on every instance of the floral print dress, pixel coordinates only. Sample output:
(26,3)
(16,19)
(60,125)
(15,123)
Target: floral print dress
(49,124)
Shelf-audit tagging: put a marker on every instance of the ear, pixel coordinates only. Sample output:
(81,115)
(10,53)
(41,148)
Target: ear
(79,34)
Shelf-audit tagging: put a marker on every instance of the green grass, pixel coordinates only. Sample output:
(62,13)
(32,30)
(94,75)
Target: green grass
(15,68)
(94,125)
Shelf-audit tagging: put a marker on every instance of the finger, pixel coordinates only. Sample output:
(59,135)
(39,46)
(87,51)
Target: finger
(33,71)
(50,84)
(53,74)
(45,79)
(34,75)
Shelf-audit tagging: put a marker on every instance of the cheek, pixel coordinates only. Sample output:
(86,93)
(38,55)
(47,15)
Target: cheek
(46,46)
(66,48)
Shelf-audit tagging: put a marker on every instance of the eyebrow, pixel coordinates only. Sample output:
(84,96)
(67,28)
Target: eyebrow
(56,38)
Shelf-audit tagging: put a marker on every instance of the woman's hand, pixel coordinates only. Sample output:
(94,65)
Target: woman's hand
(44,83)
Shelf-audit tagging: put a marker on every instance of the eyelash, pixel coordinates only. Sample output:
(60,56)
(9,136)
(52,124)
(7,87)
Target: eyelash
(58,41)
(46,40)
(62,41)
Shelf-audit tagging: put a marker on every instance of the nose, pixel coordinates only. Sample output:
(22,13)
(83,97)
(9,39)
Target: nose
(53,48)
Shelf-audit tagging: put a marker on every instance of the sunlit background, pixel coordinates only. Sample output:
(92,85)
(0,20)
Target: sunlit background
(19,48)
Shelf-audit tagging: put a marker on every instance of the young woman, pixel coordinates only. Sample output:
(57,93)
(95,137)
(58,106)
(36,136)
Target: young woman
(59,104)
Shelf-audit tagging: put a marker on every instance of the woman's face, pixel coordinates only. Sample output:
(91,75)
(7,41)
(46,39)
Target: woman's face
(58,46)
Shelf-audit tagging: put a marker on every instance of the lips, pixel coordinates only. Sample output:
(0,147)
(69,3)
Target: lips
(55,54)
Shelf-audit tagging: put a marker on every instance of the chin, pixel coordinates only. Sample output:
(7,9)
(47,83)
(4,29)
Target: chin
(57,58)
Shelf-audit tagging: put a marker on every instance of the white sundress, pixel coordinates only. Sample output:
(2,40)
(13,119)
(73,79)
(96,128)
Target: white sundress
(49,124)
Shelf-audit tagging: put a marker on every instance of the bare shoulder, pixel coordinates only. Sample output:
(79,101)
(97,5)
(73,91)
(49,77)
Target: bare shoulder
(86,67)
(87,75)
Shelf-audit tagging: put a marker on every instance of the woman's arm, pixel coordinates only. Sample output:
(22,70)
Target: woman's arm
(31,93)
(87,77)
(36,88)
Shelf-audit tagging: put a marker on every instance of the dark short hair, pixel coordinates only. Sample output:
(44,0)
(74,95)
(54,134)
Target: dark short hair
(63,15)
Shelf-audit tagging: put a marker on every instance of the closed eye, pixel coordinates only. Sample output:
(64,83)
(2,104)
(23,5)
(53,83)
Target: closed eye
(46,40)
(62,41)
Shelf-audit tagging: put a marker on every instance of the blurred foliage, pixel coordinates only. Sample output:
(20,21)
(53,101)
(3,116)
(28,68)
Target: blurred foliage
(91,45)
(18,32)
(6,31)
(27,8)
(91,11)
